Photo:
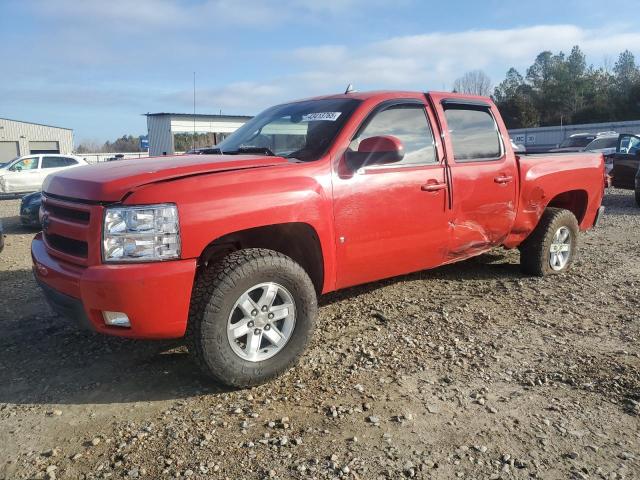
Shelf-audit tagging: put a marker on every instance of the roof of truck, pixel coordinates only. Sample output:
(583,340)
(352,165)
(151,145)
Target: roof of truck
(381,94)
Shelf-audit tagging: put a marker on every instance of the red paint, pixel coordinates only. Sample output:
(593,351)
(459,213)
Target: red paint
(377,222)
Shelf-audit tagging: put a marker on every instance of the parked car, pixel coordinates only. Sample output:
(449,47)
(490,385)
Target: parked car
(30,209)
(575,143)
(517,147)
(306,198)
(603,143)
(626,162)
(26,174)
(1,236)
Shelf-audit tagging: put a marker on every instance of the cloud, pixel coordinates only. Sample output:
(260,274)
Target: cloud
(434,60)
(132,16)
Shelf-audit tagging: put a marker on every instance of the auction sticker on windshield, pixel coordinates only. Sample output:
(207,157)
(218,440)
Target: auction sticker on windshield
(314,117)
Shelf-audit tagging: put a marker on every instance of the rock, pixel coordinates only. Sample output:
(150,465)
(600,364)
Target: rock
(95,441)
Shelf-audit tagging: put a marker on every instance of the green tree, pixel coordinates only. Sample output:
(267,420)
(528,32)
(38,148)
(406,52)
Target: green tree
(559,88)
(513,98)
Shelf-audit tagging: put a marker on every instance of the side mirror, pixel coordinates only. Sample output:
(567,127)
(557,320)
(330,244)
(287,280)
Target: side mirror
(17,168)
(381,150)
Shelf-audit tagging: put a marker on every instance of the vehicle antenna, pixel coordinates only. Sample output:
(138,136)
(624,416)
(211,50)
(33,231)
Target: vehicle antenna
(193,139)
(350,89)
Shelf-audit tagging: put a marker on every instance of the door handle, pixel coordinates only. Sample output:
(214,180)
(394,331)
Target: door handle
(433,187)
(503,179)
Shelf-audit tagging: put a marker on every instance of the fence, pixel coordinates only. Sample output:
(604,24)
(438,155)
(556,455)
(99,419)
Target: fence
(103,157)
(542,137)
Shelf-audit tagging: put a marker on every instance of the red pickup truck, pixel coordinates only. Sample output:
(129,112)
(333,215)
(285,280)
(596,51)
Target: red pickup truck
(231,250)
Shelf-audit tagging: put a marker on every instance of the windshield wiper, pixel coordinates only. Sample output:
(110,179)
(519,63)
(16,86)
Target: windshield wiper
(250,149)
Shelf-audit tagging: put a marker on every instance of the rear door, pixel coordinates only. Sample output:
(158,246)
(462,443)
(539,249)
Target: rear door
(391,219)
(52,164)
(484,175)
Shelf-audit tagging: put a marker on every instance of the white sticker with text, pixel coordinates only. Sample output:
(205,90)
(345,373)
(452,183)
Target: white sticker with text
(314,117)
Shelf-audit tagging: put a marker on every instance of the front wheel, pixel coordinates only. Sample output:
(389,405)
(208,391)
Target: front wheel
(251,317)
(551,247)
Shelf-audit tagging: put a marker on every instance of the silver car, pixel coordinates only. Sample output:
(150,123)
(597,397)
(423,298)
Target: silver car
(26,174)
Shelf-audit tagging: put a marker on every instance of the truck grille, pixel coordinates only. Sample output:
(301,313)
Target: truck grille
(72,230)
(70,246)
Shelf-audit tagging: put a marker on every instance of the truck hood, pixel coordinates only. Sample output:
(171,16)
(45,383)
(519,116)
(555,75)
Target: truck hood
(111,181)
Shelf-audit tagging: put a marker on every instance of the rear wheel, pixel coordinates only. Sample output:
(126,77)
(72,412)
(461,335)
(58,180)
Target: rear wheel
(551,247)
(251,317)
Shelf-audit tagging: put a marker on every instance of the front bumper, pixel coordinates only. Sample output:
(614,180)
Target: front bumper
(155,296)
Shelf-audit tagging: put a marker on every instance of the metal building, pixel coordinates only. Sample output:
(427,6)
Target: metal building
(549,137)
(19,138)
(162,128)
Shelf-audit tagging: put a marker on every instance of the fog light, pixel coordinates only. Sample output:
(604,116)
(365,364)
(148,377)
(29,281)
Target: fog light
(116,319)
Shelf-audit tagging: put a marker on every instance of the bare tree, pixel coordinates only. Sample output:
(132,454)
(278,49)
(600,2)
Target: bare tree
(475,82)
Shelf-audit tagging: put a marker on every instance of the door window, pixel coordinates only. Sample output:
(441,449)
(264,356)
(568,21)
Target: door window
(408,123)
(629,144)
(57,162)
(474,134)
(29,163)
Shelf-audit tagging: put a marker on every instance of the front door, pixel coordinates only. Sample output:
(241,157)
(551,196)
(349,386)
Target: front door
(626,161)
(24,176)
(391,219)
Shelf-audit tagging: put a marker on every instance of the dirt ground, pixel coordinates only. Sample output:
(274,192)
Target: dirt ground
(470,370)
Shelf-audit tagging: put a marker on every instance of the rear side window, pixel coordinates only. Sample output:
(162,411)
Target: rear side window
(57,162)
(408,123)
(474,134)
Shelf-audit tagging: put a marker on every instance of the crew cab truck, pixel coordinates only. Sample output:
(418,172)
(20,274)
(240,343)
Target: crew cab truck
(231,250)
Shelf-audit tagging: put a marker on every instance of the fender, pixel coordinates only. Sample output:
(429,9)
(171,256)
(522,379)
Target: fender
(216,205)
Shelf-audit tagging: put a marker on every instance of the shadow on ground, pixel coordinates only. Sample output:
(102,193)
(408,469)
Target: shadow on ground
(46,359)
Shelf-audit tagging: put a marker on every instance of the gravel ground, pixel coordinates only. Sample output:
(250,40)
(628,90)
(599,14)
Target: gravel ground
(470,370)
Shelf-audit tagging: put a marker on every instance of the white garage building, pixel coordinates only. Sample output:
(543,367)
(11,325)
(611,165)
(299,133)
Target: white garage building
(163,127)
(19,138)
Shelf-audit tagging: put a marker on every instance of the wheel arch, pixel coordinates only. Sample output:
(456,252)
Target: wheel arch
(297,240)
(576,201)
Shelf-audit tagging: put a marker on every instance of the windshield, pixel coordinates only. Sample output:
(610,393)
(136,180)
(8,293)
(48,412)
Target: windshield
(302,130)
(606,142)
(576,142)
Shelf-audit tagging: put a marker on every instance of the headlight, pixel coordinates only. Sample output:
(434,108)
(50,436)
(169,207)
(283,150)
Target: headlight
(146,233)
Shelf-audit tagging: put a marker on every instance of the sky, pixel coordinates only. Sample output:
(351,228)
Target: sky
(97,66)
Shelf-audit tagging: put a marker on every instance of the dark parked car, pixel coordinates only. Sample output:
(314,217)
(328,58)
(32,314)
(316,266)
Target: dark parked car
(30,209)
(626,161)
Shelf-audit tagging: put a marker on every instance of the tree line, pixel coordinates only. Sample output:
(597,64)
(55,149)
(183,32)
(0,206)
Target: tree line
(126,143)
(562,89)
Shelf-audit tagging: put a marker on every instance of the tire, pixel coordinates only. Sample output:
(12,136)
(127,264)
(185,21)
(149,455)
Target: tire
(215,305)
(535,252)
(638,196)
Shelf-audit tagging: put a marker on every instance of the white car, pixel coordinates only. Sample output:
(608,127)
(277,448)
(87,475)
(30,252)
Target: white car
(607,144)
(26,174)
(603,143)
